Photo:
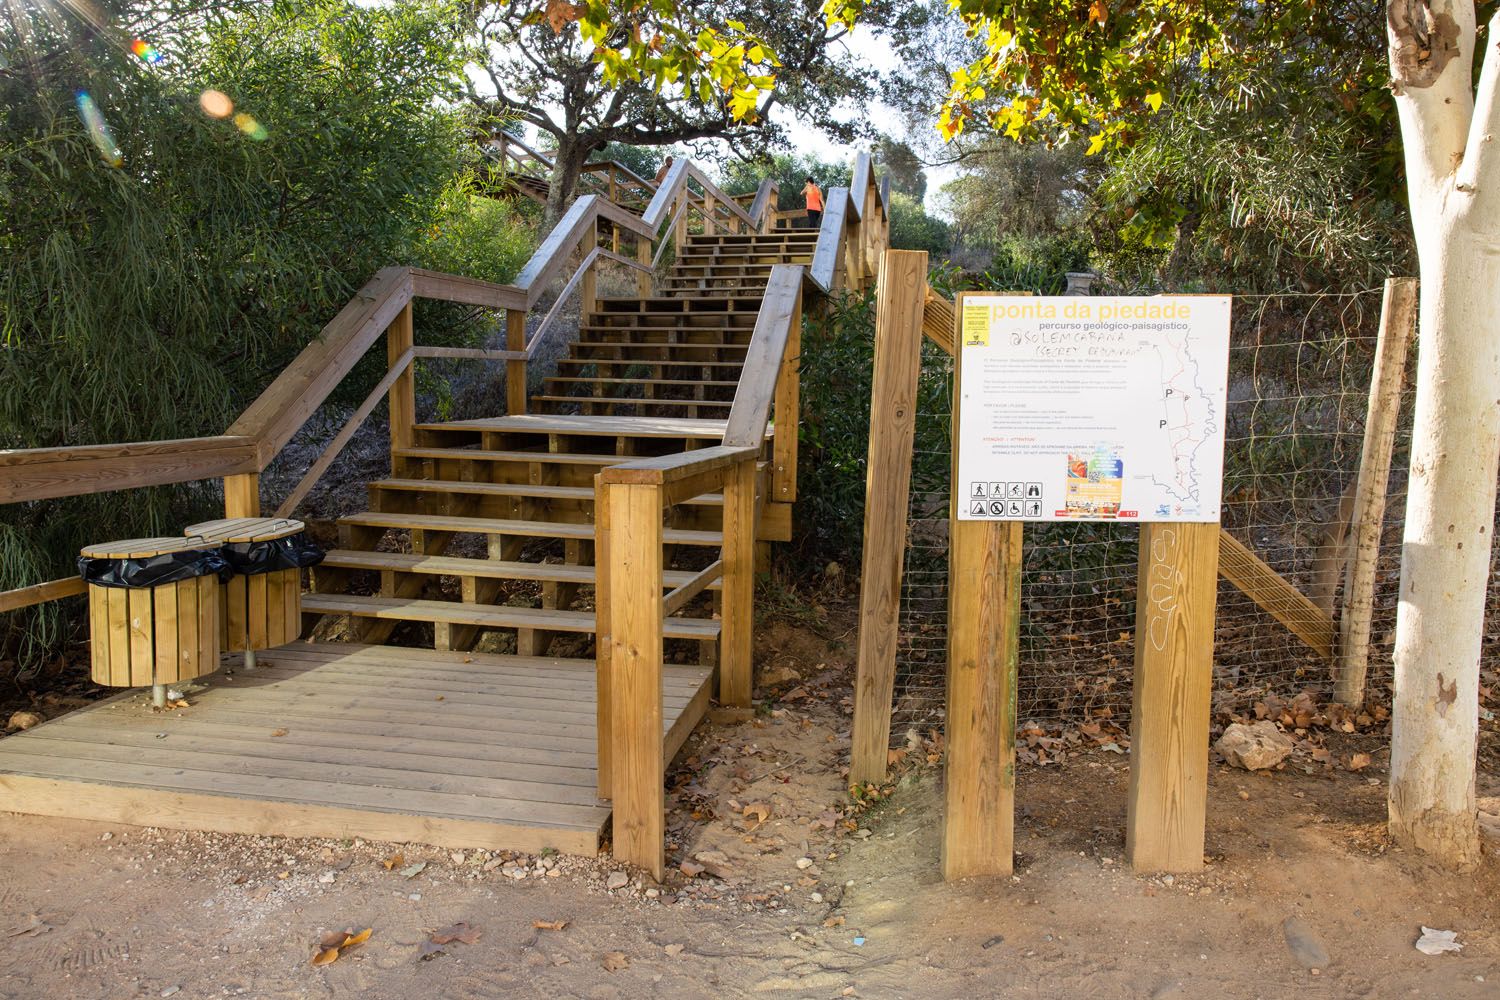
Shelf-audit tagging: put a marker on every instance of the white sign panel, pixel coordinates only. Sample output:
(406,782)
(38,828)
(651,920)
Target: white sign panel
(1092,408)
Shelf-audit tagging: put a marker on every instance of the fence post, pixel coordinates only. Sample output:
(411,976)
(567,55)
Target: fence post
(736,660)
(242,495)
(515,371)
(1398,322)
(399,338)
(635,659)
(1169,713)
(603,689)
(893,416)
(768,224)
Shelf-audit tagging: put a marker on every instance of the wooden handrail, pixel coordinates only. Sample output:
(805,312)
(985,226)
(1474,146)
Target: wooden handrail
(666,469)
(830,246)
(781,306)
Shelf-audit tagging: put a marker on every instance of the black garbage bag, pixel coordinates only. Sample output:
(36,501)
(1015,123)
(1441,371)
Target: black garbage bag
(292,552)
(153,571)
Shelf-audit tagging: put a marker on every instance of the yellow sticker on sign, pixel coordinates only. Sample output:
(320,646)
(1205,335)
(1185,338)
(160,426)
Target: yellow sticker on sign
(976,326)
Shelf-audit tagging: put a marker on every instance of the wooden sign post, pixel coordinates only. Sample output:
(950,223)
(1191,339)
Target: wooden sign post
(984,614)
(1169,713)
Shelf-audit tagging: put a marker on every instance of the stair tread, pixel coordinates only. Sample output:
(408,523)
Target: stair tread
(639,400)
(410,562)
(594,379)
(530,490)
(648,362)
(593,424)
(511,526)
(564,458)
(493,616)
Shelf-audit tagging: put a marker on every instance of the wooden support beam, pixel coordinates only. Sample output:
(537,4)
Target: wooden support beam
(644,277)
(515,371)
(638,767)
(588,297)
(1398,323)
(1174,647)
(603,690)
(788,410)
(736,661)
(41,593)
(1277,597)
(893,421)
(242,495)
(403,395)
(984,614)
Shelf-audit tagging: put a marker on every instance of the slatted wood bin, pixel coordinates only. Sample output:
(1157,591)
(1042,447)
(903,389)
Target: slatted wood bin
(143,636)
(256,610)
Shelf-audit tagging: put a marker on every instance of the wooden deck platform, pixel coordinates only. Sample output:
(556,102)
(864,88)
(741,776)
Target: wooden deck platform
(334,740)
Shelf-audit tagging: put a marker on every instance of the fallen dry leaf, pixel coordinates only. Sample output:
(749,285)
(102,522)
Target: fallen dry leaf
(394,861)
(615,961)
(762,810)
(326,957)
(428,951)
(549,925)
(460,932)
(1359,762)
(278,732)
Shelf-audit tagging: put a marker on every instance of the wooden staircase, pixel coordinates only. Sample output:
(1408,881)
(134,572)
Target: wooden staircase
(534,611)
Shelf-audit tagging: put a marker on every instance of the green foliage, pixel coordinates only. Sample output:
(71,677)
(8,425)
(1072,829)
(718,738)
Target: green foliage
(644,161)
(913,229)
(790,172)
(159,268)
(900,163)
(480,237)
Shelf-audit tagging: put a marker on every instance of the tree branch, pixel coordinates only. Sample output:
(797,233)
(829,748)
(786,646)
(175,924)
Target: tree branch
(1433,83)
(1480,173)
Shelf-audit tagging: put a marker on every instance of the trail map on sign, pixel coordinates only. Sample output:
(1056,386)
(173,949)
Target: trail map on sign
(1092,408)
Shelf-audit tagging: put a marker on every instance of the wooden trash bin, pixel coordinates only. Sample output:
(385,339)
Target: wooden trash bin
(153,610)
(261,603)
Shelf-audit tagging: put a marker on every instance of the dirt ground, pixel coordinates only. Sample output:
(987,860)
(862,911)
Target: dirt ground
(780,886)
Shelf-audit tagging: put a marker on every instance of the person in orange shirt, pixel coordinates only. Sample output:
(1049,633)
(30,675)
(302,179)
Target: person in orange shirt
(814,198)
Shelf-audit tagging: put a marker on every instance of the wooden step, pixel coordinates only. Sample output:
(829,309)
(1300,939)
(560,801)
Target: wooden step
(723,404)
(488,569)
(477,455)
(652,363)
(623,379)
(638,427)
(446,487)
(486,615)
(508,526)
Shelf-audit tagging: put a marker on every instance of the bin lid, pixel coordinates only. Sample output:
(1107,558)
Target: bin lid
(245,529)
(145,548)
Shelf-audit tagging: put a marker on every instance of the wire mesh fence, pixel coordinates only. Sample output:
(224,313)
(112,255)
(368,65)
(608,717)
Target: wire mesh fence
(1299,374)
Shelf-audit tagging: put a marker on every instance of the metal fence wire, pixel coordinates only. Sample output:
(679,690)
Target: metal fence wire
(1300,370)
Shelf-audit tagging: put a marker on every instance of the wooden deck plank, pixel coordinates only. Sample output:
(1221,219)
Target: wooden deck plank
(507,526)
(506,758)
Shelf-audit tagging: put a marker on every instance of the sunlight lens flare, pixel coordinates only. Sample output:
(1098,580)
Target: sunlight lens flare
(216,104)
(146,52)
(251,127)
(98,130)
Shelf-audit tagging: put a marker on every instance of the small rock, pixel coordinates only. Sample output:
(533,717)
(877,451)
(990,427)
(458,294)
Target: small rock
(24,720)
(716,863)
(1303,943)
(492,864)
(804,863)
(414,896)
(170,991)
(691,869)
(653,893)
(458,857)
(617,880)
(326,878)
(1254,747)
(107,835)
(816,897)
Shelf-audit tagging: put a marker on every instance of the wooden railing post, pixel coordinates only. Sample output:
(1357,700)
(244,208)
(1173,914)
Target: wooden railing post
(736,659)
(680,231)
(399,338)
(638,764)
(515,371)
(603,690)
(710,211)
(788,411)
(768,224)
(1169,712)
(242,495)
(588,300)
(643,279)
(893,420)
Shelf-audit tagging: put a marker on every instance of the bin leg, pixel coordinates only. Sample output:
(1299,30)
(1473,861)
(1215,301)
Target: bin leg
(249,663)
(159,695)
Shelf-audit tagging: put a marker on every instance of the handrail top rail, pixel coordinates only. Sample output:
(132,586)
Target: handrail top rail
(665,469)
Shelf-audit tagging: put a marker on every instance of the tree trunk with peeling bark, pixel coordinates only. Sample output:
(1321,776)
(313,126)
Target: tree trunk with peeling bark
(1451,134)
(567,167)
